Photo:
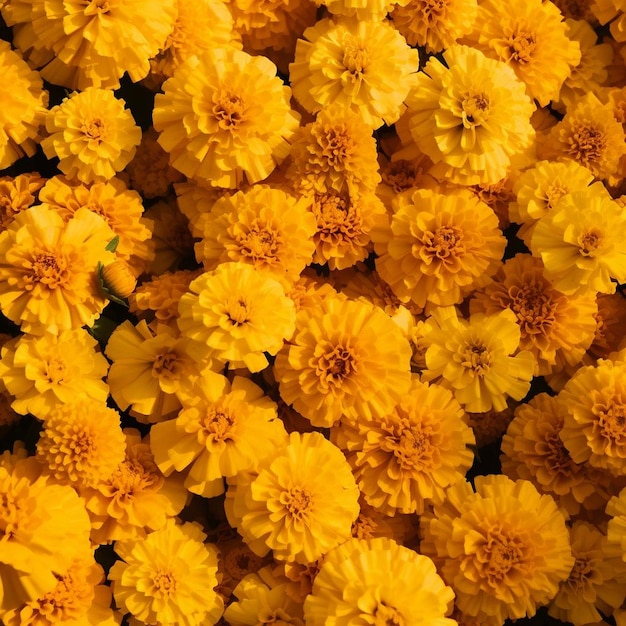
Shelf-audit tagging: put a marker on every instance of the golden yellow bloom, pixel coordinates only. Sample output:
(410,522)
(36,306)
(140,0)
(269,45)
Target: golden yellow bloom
(119,279)
(378,581)
(406,458)
(224,430)
(238,315)
(438,247)
(434,24)
(17,193)
(47,371)
(300,505)
(168,577)
(581,242)
(473,358)
(471,116)
(264,227)
(347,358)
(364,66)
(504,549)
(225,118)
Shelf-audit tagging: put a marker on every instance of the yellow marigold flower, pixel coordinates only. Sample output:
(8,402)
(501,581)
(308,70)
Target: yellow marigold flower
(43,529)
(406,458)
(47,371)
(438,247)
(364,66)
(168,577)
(93,135)
(372,523)
(81,442)
(238,314)
(18,193)
(471,116)
(24,103)
(225,118)
(264,227)
(301,504)
(616,530)
(530,37)
(335,153)
(120,207)
(48,267)
(135,498)
(150,369)
(77,598)
(594,429)
(503,549)
(225,429)
(347,358)
(80,45)
(378,581)
(434,24)
(118,279)
(557,329)
(596,582)
(473,358)
(309,291)
(581,242)
(532,449)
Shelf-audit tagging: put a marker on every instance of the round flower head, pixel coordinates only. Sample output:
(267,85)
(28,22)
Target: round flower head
(347,358)
(365,66)
(225,430)
(581,242)
(301,504)
(504,549)
(407,457)
(47,371)
(378,581)
(438,247)
(93,135)
(531,37)
(238,314)
(80,44)
(48,268)
(168,577)
(434,24)
(225,118)
(18,193)
(24,104)
(471,116)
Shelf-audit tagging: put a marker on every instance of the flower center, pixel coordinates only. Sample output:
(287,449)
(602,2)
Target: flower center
(82,445)
(49,269)
(218,425)
(55,371)
(586,144)
(363,527)
(400,175)
(520,48)
(229,111)
(337,219)
(444,243)
(554,193)
(297,501)
(336,366)
(589,242)
(474,109)
(557,456)
(500,556)
(165,365)
(94,130)
(580,574)
(355,59)
(534,308)
(385,615)
(131,478)
(336,146)
(163,583)
(611,422)
(412,446)
(260,244)
(237,312)
(477,358)
(96,7)
(433,10)
(68,601)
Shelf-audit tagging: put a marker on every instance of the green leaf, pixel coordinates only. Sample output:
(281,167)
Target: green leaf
(112,245)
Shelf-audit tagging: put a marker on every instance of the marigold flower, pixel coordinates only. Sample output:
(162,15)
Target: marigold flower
(225,118)
(378,581)
(225,430)
(48,267)
(93,135)
(48,371)
(17,193)
(438,247)
(300,505)
(473,358)
(406,458)
(364,66)
(24,106)
(610,324)
(168,577)
(361,9)
(118,279)
(504,549)
(471,116)
(237,314)
(347,358)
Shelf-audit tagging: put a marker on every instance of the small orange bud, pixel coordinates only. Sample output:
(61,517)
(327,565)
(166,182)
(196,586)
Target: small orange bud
(119,279)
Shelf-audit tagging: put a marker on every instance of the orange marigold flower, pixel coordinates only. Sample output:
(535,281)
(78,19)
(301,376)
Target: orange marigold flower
(364,66)
(471,116)
(503,549)
(406,458)
(378,581)
(93,135)
(48,267)
(47,371)
(225,118)
(17,193)
(347,358)
(438,247)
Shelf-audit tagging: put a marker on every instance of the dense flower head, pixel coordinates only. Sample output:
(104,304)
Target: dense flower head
(18,193)
(225,118)
(470,116)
